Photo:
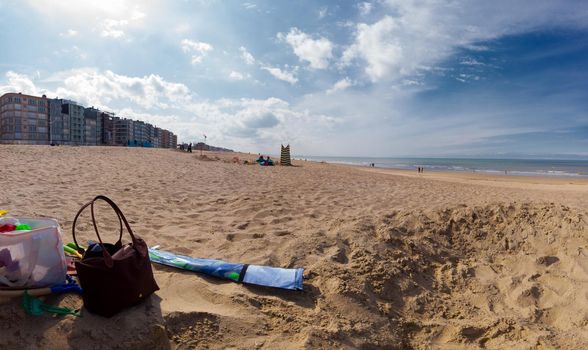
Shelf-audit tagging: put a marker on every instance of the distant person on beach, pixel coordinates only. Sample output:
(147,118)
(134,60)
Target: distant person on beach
(190,147)
(260,160)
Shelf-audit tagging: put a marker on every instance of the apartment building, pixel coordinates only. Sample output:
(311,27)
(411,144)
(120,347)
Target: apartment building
(156,137)
(92,126)
(108,120)
(58,124)
(148,135)
(76,118)
(24,119)
(165,138)
(66,120)
(140,134)
(124,132)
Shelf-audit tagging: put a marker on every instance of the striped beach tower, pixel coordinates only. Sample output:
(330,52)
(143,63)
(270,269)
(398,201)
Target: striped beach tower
(285,156)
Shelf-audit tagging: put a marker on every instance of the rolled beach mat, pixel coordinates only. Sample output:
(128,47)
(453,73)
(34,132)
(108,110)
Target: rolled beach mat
(243,273)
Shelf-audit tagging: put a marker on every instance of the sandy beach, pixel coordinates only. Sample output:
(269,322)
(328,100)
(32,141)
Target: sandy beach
(393,259)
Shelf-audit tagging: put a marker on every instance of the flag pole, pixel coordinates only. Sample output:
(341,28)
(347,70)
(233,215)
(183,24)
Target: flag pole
(202,147)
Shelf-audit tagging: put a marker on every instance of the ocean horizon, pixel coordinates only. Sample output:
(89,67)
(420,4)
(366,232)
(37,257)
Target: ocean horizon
(497,166)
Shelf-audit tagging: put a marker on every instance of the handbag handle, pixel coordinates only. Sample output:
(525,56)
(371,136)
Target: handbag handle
(121,219)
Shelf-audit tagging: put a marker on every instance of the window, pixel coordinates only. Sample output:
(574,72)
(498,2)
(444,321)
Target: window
(17,99)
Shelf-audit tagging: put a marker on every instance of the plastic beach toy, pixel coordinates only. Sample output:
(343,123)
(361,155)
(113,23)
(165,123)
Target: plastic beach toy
(22,227)
(7,228)
(70,286)
(71,251)
(8,223)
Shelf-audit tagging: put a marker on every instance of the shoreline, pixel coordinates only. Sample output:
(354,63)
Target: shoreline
(470,177)
(557,174)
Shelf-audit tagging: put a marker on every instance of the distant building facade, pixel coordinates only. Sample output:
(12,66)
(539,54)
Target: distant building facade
(107,136)
(58,123)
(92,126)
(156,137)
(124,132)
(26,119)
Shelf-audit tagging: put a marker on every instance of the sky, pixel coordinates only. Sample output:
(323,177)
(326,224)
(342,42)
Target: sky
(333,78)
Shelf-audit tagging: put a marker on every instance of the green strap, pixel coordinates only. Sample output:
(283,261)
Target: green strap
(36,307)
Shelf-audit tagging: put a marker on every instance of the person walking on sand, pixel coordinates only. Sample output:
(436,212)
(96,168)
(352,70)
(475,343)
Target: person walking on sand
(190,147)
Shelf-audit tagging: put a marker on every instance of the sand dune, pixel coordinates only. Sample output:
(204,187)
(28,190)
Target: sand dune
(392,260)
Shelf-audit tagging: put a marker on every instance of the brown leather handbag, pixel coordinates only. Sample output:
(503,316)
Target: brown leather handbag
(114,276)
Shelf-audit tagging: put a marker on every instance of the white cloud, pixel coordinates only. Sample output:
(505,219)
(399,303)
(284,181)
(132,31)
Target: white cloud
(108,18)
(74,51)
(112,28)
(374,44)
(197,49)
(70,33)
(468,61)
(322,12)
(116,28)
(418,33)
(317,52)
(246,56)
(137,15)
(19,83)
(249,6)
(91,86)
(341,85)
(236,76)
(282,74)
(365,8)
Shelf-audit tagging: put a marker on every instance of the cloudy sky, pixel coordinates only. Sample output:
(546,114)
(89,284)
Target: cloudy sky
(374,78)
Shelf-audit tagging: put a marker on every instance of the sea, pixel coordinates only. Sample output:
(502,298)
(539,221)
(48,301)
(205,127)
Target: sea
(516,167)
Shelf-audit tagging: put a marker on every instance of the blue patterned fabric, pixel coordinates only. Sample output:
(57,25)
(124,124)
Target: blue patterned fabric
(258,275)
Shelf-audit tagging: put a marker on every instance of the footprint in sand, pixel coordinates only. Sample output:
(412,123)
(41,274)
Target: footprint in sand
(281,233)
(243,226)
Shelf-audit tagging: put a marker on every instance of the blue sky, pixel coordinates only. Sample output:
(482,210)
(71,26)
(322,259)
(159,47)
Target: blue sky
(373,78)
